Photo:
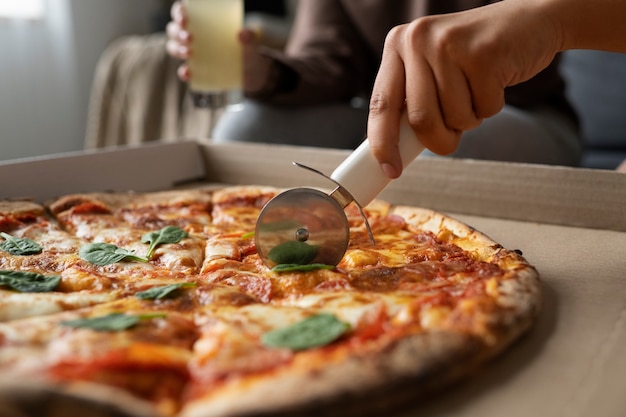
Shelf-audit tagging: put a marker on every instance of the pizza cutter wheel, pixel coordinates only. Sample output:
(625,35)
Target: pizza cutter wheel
(305,226)
(302,226)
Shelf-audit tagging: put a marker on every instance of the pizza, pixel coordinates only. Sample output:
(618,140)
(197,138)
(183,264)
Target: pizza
(157,304)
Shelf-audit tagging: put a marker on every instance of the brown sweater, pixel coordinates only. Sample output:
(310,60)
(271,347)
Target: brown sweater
(336,46)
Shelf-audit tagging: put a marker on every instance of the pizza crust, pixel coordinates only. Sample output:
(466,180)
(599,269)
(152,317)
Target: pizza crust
(130,200)
(520,288)
(383,379)
(365,385)
(26,399)
(18,207)
(466,237)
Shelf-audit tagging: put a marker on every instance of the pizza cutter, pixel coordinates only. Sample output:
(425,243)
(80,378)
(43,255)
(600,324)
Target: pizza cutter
(306,226)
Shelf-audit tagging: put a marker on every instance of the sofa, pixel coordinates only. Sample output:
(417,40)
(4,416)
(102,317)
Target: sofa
(597,89)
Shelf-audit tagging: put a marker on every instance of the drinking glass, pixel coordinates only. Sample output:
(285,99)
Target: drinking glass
(215,60)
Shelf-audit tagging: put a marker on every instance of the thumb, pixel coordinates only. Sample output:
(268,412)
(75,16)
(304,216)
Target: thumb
(248,38)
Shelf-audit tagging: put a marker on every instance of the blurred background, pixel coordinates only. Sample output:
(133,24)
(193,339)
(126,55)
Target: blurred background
(78,74)
(51,50)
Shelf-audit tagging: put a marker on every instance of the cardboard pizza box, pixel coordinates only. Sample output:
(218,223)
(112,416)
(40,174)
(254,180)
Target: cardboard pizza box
(569,223)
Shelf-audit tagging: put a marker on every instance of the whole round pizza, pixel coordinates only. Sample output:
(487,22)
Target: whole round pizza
(158,304)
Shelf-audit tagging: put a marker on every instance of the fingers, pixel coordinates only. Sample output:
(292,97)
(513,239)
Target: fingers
(407,83)
(248,37)
(178,38)
(488,99)
(438,102)
(440,51)
(257,67)
(386,107)
(177,44)
(443,72)
(183,72)
(249,43)
(178,13)
(455,96)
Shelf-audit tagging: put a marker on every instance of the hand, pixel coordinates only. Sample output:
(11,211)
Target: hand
(178,38)
(257,67)
(448,72)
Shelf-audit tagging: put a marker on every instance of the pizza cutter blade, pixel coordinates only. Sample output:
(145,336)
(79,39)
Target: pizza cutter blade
(302,226)
(305,226)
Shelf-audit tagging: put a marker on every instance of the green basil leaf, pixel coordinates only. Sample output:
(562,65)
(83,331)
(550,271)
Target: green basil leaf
(29,281)
(314,331)
(113,322)
(106,254)
(293,252)
(248,235)
(158,293)
(19,245)
(169,234)
(300,268)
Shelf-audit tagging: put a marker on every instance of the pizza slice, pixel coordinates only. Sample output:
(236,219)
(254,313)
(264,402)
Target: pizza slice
(163,229)
(34,254)
(45,269)
(140,345)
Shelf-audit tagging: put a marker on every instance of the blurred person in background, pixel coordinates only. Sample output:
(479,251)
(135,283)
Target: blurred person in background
(316,91)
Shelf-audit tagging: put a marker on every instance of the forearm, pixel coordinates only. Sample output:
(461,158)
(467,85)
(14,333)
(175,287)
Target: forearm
(328,57)
(292,80)
(585,24)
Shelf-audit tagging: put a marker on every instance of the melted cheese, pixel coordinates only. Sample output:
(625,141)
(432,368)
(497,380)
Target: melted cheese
(14,305)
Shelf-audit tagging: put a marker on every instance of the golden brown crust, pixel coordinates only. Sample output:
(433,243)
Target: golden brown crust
(517,292)
(20,207)
(80,399)
(130,200)
(518,289)
(440,224)
(258,193)
(357,383)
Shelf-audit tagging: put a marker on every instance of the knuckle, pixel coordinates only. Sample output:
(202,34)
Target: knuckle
(394,37)
(170,29)
(403,37)
(421,31)
(419,27)
(379,104)
(434,37)
(436,136)
(171,47)
(459,122)
(421,121)
(446,142)
(490,106)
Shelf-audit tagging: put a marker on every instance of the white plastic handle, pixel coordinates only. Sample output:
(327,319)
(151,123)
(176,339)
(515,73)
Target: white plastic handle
(360,172)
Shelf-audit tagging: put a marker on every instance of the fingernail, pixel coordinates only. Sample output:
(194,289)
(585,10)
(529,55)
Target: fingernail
(389,170)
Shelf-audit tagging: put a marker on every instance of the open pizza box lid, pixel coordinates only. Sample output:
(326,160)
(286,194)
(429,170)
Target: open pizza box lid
(569,223)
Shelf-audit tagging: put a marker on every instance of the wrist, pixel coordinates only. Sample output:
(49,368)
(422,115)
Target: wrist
(550,21)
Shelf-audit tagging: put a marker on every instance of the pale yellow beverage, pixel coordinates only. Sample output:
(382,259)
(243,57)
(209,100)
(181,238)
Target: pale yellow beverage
(216,58)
